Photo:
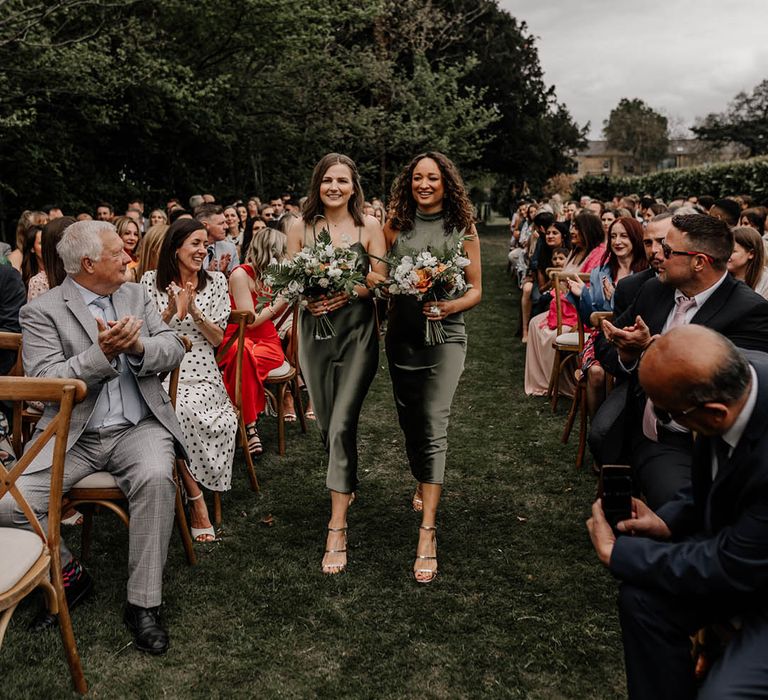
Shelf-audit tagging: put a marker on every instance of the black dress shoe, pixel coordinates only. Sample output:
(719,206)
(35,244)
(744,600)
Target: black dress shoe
(75,593)
(144,624)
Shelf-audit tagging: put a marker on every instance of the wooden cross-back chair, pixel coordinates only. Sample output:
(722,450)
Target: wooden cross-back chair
(567,345)
(101,489)
(240,318)
(22,416)
(31,558)
(579,403)
(286,378)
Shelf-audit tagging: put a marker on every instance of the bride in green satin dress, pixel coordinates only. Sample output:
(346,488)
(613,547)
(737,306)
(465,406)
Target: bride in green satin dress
(338,371)
(428,202)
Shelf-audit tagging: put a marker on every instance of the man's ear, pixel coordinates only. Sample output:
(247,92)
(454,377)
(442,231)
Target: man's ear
(717,412)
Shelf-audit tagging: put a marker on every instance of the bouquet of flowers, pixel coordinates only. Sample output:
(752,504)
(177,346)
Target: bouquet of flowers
(320,269)
(434,272)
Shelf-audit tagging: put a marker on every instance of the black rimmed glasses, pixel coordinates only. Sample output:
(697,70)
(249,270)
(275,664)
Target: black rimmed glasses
(666,417)
(668,253)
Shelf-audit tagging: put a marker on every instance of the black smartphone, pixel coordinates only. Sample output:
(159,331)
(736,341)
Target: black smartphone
(616,492)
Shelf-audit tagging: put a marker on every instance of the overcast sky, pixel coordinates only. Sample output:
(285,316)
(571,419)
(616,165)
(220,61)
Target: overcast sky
(685,58)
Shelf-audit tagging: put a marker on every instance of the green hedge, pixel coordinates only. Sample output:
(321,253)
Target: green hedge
(719,180)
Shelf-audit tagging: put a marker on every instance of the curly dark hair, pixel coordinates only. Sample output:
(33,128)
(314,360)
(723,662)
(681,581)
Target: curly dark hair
(458,210)
(313,207)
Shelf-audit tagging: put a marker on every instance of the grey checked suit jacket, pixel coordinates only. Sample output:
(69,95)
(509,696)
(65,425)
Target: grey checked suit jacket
(60,339)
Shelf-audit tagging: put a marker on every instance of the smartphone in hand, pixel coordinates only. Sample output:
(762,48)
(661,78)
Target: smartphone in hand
(616,492)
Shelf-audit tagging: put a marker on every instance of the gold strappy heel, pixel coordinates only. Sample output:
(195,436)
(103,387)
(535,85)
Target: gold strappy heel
(432,572)
(332,569)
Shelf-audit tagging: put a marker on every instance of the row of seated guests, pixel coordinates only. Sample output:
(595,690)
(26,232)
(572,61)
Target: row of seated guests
(588,251)
(702,559)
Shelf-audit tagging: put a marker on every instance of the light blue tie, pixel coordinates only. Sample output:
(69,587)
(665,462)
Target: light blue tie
(124,391)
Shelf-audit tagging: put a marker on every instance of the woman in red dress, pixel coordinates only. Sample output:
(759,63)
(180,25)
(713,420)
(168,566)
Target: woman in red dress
(263,351)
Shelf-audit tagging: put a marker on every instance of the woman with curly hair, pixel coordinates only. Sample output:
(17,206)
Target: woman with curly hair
(338,371)
(428,203)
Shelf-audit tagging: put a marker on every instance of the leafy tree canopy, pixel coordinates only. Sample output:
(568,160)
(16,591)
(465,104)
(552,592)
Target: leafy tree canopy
(105,99)
(635,127)
(745,122)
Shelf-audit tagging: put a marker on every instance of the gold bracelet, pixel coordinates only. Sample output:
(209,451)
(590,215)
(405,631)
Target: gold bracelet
(200,319)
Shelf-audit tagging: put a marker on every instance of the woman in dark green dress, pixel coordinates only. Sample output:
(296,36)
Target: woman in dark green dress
(428,203)
(338,371)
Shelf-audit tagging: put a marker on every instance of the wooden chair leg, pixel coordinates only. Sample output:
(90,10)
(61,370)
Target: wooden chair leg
(86,534)
(555,380)
(279,398)
(247,455)
(582,391)
(217,508)
(183,526)
(571,416)
(299,403)
(67,635)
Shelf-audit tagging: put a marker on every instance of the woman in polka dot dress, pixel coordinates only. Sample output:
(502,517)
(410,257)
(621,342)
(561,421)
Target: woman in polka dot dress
(195,303)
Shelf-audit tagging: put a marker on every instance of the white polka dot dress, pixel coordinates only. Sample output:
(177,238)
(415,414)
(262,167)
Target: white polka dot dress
(205,412)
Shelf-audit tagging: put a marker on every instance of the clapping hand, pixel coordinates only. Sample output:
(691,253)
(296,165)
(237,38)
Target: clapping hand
(575,285)
(179,299)
(608,288)
(630,341)
(120,336)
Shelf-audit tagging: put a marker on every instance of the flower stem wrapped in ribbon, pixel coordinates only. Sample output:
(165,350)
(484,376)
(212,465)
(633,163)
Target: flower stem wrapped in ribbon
(436,272)
(316,271)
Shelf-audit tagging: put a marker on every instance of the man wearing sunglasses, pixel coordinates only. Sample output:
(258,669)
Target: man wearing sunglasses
(693,286)
(702,559)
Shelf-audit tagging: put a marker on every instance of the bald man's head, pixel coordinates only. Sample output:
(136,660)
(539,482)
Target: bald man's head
(697,376)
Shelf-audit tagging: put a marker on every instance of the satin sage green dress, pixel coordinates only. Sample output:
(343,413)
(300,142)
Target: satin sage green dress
(424,377)
(338,373)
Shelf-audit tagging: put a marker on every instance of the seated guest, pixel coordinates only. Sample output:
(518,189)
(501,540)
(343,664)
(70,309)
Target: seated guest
(536,295)
(194,303)
(128,229)
(703,558)
(12,298)
(263,351)
(31,254)
(747,261)
(52,273)
(693,286)
(149,248)
(96,328)
(222,253)
(587,251)
(26,219)
(624,256)
(727,210)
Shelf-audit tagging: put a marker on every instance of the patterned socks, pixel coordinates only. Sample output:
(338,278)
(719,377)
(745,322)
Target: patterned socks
(71,573)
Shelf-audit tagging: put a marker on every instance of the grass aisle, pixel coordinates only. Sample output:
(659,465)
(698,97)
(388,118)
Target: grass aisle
(521,607)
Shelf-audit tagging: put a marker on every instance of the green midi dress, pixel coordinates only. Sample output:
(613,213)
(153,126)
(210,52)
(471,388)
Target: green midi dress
(338,373)
(424,377)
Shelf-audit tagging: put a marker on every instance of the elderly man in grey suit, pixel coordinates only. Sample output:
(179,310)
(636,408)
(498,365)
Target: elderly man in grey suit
(108,333)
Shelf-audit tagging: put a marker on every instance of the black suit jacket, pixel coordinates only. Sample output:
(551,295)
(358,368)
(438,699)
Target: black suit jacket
(734,310)
(12,297)
(627,289)
(720,528)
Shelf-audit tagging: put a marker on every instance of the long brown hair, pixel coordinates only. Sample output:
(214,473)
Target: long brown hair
(457,207)
(634,231)
(313,207)
(52,262)
(749,239)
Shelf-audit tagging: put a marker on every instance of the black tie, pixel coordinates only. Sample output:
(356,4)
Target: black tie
(722,450)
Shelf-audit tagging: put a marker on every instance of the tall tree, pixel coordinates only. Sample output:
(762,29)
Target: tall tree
(745,122)
(638,129)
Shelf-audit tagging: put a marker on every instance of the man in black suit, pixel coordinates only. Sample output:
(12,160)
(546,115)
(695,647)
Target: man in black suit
(702,558)
(693,286)
(12,297)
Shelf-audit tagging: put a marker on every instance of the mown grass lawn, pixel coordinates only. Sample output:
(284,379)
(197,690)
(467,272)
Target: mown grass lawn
(521,608)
